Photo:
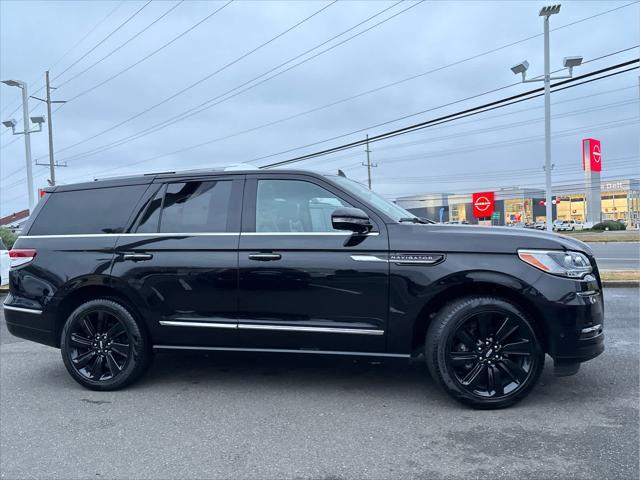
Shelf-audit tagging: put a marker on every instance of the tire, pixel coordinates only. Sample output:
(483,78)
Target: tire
(484,351)
(103,347)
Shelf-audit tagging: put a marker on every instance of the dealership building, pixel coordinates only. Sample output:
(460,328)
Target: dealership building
(619,200)
(593,200)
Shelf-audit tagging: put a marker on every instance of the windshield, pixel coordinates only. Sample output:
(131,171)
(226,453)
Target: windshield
(360,191)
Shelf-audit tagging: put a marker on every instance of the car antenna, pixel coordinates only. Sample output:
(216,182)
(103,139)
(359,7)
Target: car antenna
(341,173)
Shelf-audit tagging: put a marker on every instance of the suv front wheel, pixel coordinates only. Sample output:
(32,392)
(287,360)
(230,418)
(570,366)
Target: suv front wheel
(103,347)
(484,351)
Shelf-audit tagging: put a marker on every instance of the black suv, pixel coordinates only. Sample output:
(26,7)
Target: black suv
(295,262)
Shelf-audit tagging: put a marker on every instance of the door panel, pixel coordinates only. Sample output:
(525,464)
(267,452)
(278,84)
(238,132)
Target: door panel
(186,275)
(309,292)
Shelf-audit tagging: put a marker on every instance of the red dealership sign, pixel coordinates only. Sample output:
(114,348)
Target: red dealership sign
(591,155)
(483,204)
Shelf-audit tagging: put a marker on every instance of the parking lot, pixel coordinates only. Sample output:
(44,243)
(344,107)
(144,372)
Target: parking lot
(223,416)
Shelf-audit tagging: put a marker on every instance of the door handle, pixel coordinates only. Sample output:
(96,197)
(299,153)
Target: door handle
(265,257)
(137,257)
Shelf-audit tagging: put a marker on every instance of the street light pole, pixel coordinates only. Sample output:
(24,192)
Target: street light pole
(27,142)
(547,127)
(569,63)
(26,132)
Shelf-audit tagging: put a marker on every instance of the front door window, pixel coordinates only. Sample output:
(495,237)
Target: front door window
(294,206)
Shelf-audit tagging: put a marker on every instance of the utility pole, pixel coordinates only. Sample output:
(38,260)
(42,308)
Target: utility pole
(52,168)
(569,63)
(369,165)
(48,101)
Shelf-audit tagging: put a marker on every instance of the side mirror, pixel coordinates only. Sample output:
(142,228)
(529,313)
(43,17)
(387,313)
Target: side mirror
(352,219)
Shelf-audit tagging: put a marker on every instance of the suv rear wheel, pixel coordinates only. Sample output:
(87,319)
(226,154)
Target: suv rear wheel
(484,351)
(103,347)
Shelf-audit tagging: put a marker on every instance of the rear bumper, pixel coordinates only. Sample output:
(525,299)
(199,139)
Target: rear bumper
(29,323)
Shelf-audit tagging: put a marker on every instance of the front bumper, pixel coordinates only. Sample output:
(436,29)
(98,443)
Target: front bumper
(573,313)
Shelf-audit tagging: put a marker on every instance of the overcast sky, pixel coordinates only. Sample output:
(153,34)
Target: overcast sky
(101,39)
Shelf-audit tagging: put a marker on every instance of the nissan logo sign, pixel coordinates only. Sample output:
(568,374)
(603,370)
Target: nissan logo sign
(482,204)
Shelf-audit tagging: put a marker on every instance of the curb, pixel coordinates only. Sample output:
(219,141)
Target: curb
(621,283)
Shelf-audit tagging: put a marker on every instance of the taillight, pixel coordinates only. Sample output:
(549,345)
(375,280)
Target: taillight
(21,256)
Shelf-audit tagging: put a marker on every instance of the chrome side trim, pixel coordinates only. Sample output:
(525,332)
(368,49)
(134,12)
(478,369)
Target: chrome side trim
(23,310)
(368,258)
(196,234)
(595,328)
(343,234)
(282,350)
(281,328)
(91,235)
(178,323)
(287,328)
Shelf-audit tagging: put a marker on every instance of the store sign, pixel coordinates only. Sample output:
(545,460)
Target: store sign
(591,155)
(483,204)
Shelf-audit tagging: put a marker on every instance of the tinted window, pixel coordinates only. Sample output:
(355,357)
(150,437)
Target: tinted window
(294,206)
(99,210)
(151,216)
(196,207)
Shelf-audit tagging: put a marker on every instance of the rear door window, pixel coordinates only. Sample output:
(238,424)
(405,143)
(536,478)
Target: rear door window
(189,207)
(193,207)
(91,211)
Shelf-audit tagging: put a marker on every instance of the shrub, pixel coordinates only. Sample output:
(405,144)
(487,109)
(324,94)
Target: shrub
(8,237)
(610,225)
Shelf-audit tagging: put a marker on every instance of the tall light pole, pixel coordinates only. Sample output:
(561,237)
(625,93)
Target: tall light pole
(26,132)
(521,68)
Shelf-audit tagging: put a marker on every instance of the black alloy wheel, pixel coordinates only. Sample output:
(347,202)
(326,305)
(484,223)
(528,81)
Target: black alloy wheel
(484,351)
(103,347)
(100,346)
(491,353)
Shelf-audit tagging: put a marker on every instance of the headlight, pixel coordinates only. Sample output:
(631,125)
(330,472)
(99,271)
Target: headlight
(565,264)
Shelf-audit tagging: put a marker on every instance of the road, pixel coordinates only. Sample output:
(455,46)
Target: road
(617,255)
(231,416)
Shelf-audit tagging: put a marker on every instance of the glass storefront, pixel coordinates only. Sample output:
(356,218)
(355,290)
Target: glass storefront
(620,201)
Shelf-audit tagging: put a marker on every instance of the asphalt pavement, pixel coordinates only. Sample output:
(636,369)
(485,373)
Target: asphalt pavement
(617,255)
(234,416)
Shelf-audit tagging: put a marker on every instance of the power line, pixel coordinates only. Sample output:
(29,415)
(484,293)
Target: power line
(203,79)
(97,174)
(146,57)
(208,103)
(123,44)
(170,121)
(436,121)
(559,190)
(504,143)
(69,50)
(473,111)
(122,24)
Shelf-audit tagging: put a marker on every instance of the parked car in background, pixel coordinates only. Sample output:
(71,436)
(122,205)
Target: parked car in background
(540,225)
(287,261)
(568,226)
(457,222)
(4,264)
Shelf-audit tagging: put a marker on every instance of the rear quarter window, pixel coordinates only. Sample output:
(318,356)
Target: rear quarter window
(92,211)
